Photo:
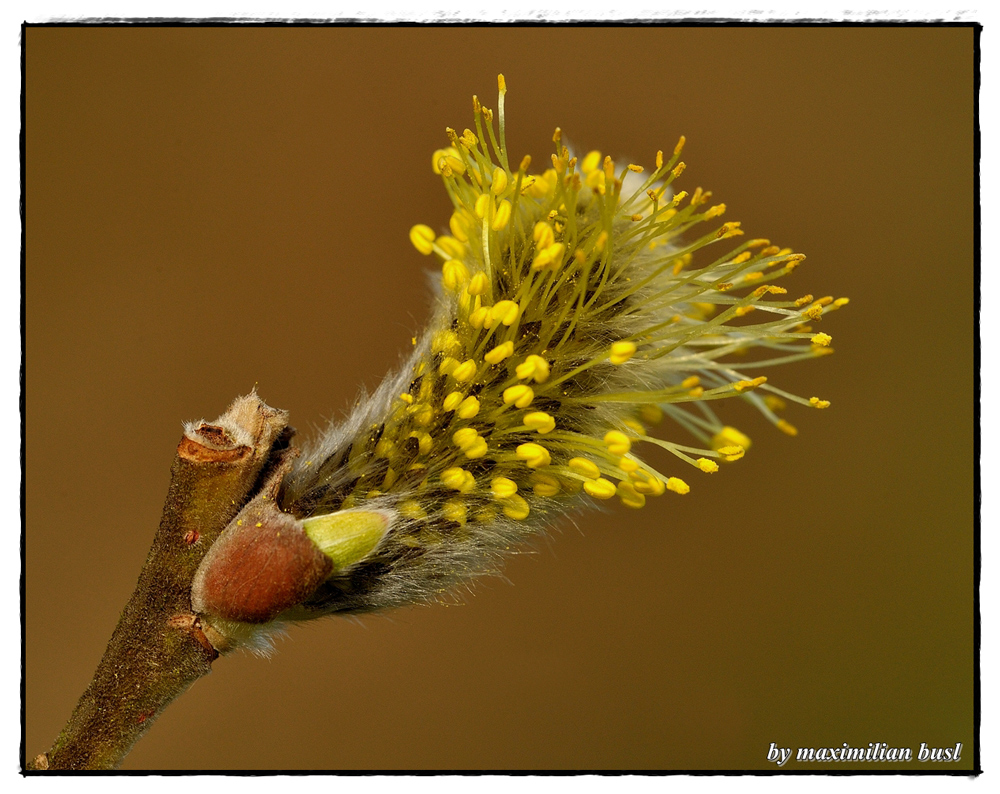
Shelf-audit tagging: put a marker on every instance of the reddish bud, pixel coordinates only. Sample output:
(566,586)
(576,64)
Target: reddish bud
(261,565)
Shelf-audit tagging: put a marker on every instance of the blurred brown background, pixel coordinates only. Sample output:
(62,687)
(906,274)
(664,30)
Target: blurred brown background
(214,208)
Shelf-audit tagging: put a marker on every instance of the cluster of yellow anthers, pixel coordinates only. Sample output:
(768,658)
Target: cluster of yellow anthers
(579,318)
(578,310)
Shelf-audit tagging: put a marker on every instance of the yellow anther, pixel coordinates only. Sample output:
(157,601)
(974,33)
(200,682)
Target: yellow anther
(540,421)
(787,428)
(543,235)
(545,485)
(730,436)
(535,455)
(424,442)
(601,241)
(636,169)
(465,372)
(804,300)
(520,395)
(551,256)
(821,339)
(422,413)
(384,448)
(743,311)
(412,509)
(680,145)
(525,163)
(455,510)
(465,438)
(690,382)
(814,312)
(771,250)
(533,367)
(454,274)
(595,181)
(649,484)
(515,507)
(468,138)
(651,414)
(609,168)
(406,398)
(502,216)
(505,312)
(479,317)
(731,229)
(617,442)
(502,487)
(739,260)
(444,160)
(452,248)
(816,402)
(733,452)
(825,301)
(591,162)
(446,342)
(774,402)
(621,352)
(459,225)
(499,353)
(499,181)
(422,237)
(629,496)
(458,479)
(627,465)
(479,284)
(746,385)
(714,212)
(635,426)
(448,365)
(696,392)
(468,408)
(677,485)
(841,302)
(600,488)
(707,466)
(678,170)
(755,276)
(501,84)
(452,401)
(585,467)
(659,159)
(437,160)
(482,205)
(476,449)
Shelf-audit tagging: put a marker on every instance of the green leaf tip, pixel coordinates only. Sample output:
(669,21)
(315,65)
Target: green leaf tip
(348,536)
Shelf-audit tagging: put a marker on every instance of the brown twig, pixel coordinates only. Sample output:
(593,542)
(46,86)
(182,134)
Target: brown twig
(158,648)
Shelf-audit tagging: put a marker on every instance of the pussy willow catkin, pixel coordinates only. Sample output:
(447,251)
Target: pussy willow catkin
(587,311)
